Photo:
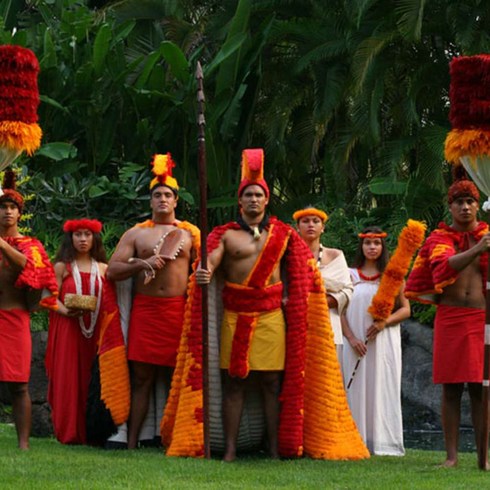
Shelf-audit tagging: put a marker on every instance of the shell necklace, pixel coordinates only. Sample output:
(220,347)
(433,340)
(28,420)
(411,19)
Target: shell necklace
(94,275)
(320,254)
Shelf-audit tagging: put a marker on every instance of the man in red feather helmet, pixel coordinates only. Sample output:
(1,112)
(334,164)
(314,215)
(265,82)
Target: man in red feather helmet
(24,268)
(240,249)
(450,271)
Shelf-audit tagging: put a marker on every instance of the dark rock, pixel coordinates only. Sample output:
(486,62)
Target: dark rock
(421,398)
(41,420)
(38,384)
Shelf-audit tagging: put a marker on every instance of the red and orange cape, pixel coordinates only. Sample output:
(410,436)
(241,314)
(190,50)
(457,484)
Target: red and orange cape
(431,272)
(38,273)
(315,418)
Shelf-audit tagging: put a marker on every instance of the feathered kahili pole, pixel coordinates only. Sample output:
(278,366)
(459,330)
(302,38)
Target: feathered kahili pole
(19,100)
(468,144)
(409,241)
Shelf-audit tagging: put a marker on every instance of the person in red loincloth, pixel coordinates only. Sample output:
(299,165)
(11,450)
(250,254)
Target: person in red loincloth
(25,274)
(450,271)
(160,287)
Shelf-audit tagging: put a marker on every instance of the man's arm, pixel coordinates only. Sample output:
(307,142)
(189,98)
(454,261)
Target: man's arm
(123,264)
(203,276)
(463,259)
(14,257)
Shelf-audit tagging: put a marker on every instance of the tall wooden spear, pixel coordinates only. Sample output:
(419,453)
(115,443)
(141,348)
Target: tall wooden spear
(203,225)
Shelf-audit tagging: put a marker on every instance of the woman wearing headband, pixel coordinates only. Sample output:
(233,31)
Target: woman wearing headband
(373,351)
(333,267)
(80,266)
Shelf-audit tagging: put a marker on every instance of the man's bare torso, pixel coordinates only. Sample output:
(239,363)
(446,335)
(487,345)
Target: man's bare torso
(172,279)
(240,255)
(468,289)
(10,296)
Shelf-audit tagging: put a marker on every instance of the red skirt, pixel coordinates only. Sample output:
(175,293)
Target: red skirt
(155,328)
(458,344)
(15,346)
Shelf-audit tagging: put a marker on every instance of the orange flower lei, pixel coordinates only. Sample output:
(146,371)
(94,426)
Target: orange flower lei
(410,239)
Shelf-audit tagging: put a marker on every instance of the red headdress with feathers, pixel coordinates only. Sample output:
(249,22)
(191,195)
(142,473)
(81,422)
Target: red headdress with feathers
(253,170)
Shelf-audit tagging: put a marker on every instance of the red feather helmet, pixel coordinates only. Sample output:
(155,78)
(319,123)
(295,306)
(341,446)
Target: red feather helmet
(253,170)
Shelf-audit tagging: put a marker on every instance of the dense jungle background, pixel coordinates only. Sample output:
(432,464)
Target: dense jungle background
(349,100)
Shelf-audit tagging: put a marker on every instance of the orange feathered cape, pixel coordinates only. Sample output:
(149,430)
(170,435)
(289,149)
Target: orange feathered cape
(315,418)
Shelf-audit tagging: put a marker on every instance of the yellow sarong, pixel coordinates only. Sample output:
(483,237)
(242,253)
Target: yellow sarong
(268,344)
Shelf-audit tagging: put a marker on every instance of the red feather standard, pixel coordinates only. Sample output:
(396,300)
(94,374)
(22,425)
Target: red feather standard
(19,101)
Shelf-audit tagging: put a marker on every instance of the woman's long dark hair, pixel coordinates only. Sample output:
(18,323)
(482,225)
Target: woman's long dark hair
(67,253)
(360,259)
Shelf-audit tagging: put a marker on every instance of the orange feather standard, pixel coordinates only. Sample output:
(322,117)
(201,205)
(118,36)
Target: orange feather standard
(409,241)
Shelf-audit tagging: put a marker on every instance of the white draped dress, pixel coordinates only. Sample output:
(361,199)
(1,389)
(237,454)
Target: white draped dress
(375,393)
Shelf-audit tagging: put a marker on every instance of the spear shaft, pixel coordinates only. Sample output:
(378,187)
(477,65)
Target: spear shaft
(203,225)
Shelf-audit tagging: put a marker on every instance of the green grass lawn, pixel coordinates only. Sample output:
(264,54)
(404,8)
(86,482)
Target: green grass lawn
(51,465)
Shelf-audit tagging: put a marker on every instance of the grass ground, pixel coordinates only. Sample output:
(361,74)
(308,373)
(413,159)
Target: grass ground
(50,465)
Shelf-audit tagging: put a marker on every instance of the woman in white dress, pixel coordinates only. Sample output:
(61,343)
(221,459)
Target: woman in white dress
(374,393)
(333,268)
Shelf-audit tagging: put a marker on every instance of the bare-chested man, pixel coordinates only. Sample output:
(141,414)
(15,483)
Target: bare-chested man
(451,269)
(160,293)
(23,264)
(250,266)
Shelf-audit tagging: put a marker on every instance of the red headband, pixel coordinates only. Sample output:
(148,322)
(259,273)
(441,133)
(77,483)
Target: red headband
(95,226)
(372,235)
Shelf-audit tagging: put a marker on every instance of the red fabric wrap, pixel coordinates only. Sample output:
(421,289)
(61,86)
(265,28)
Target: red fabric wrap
(458,345)
(431,271)
(38,272)
(240,347)
(15,346)
(155,328)
(243,299)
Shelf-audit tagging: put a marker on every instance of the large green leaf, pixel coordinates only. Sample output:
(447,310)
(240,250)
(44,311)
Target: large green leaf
(57,151)
(101,48)
(176,59)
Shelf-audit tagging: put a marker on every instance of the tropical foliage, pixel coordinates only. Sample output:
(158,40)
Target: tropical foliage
(349,99)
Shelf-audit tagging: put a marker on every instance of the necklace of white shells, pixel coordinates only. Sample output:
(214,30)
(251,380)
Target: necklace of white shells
(94,276)
(320,254)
